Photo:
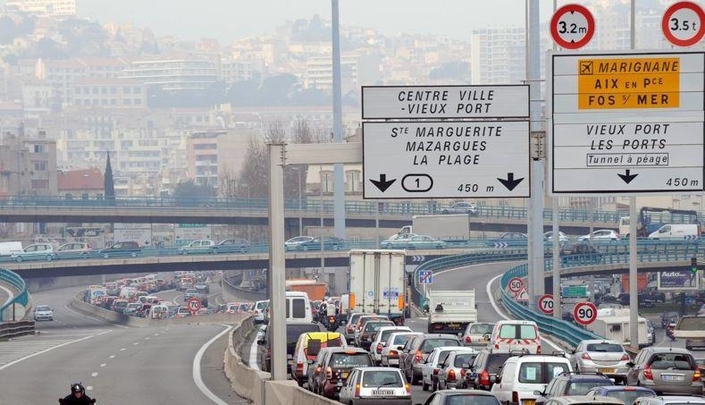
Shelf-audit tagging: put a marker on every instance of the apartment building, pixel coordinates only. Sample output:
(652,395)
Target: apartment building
(173,74)
(27,165)
(108,93)
(319,73)
(54,8)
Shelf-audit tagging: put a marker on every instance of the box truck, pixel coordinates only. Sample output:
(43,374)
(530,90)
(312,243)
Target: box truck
(450,311)
(378,283)
(449,228)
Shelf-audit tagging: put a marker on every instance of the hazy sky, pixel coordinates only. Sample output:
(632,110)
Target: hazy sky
(227,20)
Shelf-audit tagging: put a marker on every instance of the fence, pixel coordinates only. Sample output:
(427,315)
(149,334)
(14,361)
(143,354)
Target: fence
(22,298)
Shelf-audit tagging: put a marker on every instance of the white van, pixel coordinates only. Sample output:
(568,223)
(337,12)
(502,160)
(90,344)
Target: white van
(522,376)
(298,307)
(10,248)
(515,335)
(676,231)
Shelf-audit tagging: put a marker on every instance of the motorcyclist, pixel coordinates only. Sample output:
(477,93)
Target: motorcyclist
(77,396)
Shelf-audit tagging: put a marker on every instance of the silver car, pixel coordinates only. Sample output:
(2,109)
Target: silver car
(601,356)
(666,370)
(477,334)
(43,313)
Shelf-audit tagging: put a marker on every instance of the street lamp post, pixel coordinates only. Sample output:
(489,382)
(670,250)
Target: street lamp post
(320,172)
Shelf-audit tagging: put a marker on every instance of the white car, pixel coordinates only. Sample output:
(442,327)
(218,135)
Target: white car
(381,337)
(393,346)
(43,313)
(294,242)
(431,368)
(36,251)
(601,235)
(371,385)
(548,237)
(451,374)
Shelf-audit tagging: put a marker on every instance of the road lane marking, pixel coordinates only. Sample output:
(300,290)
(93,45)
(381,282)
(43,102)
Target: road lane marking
(50,349)
(197,368)
(103,365)
(94,374)
(252,360)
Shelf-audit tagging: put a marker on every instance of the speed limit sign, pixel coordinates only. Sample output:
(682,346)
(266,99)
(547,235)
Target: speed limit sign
(515,285)
(546,304)
(585,313)
(193,304)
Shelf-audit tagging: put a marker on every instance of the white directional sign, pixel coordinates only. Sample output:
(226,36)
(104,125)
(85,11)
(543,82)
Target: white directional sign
(449,159)
(429,102)
(627,123)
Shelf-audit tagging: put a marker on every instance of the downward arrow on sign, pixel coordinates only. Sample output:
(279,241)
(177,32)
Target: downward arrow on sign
(382,184)
(627,177)
(510,183)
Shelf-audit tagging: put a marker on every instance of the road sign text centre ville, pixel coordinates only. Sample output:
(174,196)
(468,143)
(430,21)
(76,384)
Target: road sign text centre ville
(626,123)
(446,141)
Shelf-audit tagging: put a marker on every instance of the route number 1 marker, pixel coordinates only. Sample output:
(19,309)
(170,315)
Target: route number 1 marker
(682,23)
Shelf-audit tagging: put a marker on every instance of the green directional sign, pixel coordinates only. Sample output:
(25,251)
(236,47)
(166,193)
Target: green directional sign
(574,291)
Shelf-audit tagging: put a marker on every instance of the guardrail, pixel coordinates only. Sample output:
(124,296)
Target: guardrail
(566,331)
(13,329)
(21,298)
(308,205)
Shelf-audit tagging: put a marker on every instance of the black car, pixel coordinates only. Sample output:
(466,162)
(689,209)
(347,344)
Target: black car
(655,295)
(644,302)
(572,384)
(580,254)
(326,242)
(293,331)
(487,364)
(121,249)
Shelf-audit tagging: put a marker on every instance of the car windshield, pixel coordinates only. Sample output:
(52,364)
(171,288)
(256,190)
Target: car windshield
(480,328)
(496,361)
(348,360)
(471,399)
(669,360)
(533,372)
(43,308)
(582,387)
(465,358)
(628,397)
(605,347)
(429,344)
(385,378)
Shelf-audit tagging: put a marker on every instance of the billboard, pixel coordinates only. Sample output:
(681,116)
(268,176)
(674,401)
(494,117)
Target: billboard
(678,280)
(140,233)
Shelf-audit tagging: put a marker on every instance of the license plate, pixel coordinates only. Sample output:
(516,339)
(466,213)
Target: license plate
(528,402)
(379,393)
(672,377)
(345,376)
(606,370)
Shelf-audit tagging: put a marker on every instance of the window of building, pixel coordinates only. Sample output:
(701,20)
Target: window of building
(38,148)
(40,166)
(95,90)
(127,90)
(40,184)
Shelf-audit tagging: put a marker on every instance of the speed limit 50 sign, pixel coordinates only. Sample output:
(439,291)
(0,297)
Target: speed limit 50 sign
(585,313)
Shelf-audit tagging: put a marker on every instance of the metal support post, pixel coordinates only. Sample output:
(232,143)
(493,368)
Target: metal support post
(339,175)
(277,264)
(633,288)
(557,308)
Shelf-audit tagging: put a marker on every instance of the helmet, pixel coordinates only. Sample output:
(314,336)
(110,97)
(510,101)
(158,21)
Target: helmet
(77,387)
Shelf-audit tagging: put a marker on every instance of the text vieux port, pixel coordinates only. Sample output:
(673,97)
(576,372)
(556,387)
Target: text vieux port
(438,96)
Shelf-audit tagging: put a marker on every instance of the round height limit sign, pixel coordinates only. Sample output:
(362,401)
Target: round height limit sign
(572,26)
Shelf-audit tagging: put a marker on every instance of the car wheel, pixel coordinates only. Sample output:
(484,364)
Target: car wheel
(304,248)
(133,254)
(50,258)
(336,247)
(424,386)
(444,212)
(19,258)
(435,386)
(105,256)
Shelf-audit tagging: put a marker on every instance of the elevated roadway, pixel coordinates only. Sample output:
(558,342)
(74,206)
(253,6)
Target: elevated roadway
(255,212)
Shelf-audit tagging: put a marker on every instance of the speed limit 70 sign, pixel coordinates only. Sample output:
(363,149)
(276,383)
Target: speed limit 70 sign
(546,304)
(585,313)
(193,304)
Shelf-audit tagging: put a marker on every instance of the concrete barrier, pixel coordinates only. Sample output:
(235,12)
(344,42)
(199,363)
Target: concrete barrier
(256,385)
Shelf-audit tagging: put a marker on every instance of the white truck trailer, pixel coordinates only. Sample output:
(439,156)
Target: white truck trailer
(450,228)
(378,282)
(613,324)
(450,311)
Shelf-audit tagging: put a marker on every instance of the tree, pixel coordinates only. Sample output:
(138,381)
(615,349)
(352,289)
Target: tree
(189,193)
(108,182)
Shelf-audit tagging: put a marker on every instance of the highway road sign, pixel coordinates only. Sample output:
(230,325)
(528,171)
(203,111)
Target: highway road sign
(546,304)
(425,276)
(574,291)
(449,159)
(193,304)
(682,23)
(572,26)
(515,285)
(585,313)
(429,102)
(626,123)
(522,296)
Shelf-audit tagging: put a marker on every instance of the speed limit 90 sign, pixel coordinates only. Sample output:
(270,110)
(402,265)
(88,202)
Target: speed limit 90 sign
(585,313)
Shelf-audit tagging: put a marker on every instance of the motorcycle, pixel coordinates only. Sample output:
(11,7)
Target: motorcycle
(332,324)
(669,332)
(61,401)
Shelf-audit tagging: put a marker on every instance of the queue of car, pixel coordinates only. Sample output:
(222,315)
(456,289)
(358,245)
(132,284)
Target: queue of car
(373,360)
